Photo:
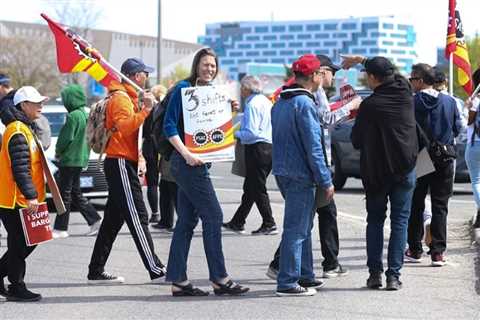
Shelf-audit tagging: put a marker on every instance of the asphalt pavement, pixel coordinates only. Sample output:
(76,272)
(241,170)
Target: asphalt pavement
(58,271)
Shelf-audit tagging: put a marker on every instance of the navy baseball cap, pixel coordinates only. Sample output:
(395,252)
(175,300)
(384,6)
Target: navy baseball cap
(135,65)
(327,62)
(4,79)
(379,66)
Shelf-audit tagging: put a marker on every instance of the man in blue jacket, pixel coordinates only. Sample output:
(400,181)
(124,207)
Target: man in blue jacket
(438,116)
(299,165)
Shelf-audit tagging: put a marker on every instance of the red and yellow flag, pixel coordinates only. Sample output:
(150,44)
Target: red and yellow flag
(75,54)
(457,47)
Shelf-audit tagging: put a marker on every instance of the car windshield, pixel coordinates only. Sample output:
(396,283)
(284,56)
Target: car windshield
(57,120)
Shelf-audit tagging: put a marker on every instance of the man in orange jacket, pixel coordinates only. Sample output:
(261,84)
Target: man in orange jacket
(125,200)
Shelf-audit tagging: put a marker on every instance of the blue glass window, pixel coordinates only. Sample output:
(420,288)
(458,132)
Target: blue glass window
(287,52)
(244,46)
(322,51)
(322,36)
(313,44)
(330,26)
(313,27)
(349,26)
(235,54)
(278,28)
(359,51)
(261,29)
(404,27)
(278,45)
(369,42)
(261,60)
(330,43)
(261,45)
(227,61)
(295,28)
(340,35)
(387,43)
(379,34)
(269,53)
(242,61)
(398,51)
(253,38)
(302,52)
(295,45)
(304,36)
(388,26)
(233,69)
(277,60)
(270,37)
(252,53)
(286,37)
(370,25)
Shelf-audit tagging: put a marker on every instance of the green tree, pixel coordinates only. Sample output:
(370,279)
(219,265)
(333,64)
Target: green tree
(178,73)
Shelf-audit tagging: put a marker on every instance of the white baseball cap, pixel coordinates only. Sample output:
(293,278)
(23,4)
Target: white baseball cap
(28,93)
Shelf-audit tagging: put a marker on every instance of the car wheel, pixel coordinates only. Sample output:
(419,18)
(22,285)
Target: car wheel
(339,178)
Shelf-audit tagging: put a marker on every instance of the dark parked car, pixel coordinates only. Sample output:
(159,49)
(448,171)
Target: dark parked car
(346,159)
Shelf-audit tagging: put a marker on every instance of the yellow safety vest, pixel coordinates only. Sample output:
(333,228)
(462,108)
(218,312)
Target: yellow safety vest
(10,194)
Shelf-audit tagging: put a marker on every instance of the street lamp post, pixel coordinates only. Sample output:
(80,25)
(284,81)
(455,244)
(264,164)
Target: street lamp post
(159,43)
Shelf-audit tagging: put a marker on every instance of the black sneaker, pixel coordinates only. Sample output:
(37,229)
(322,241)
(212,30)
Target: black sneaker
(154,218)
(296,292)
(231,227)
(264,230)
(162,228)
(393,284)
(375,280)
(19,292)
(3,291)
(315,283)
(104,278)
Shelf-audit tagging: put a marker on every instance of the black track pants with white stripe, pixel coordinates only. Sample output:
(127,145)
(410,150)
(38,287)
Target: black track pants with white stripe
(125,204)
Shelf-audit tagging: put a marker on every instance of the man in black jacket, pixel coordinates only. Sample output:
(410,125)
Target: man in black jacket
(385,134)
(438,116)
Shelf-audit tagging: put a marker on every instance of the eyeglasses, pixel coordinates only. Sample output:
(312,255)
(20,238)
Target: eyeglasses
(414,78)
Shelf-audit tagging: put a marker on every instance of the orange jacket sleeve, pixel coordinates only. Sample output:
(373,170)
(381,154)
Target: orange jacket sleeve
(124,117)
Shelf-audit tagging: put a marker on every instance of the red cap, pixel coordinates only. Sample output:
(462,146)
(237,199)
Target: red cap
(306,64)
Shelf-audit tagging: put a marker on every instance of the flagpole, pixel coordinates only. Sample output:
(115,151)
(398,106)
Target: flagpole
(450,74)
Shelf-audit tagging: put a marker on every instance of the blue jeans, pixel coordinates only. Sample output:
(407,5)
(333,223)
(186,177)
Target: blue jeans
(472,158)
(399,192)
(196,199)
(296,261)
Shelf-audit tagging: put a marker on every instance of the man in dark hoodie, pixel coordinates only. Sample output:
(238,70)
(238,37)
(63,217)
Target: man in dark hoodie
(385,133)
(438,116)
(23,186)
(299,165)
(72,153)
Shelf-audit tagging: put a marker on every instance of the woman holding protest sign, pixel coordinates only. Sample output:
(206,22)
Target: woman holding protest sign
(23,184)
(196,196)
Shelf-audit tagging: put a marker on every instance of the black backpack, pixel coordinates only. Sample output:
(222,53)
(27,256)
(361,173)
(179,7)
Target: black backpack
(154,128)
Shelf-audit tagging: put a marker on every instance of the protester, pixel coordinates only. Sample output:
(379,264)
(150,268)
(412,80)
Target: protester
(196,196)
(41,125)
(327,215)
(472,153)
(125,199)
(256,134)
(296,128)
(385,133)
(23,186)
(152,158)
(155,165)
(72,154)
(438,116)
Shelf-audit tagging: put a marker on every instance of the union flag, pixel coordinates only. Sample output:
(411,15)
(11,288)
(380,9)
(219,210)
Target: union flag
(75,54)
(457,47)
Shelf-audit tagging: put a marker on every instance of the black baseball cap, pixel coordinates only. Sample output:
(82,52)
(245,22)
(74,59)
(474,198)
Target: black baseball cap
(135,65)
(327,62)
(379,66)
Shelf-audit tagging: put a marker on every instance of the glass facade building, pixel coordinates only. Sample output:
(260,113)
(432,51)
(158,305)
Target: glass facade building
(281,42)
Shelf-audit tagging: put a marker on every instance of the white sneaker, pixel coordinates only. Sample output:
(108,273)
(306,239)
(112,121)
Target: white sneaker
(94,228)
(105,278)
(296,292)
(58,234)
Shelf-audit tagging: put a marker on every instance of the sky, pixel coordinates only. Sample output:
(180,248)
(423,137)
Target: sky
(185,20)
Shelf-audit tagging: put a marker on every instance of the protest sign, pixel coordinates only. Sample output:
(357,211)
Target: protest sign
(36,226)
(208,126)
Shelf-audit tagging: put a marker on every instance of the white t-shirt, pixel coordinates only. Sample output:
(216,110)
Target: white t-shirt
(475,107)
